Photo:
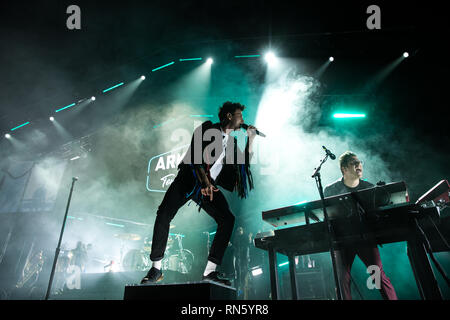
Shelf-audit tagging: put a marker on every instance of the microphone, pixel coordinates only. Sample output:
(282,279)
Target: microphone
(245,127)
(329,153)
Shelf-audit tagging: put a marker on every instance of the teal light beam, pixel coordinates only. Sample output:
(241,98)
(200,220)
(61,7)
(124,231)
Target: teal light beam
(166,65)
(113,87)
(191,59)
(249,56)
(176,234)
(75,218)
(115,225)
(23,124)
(70,105)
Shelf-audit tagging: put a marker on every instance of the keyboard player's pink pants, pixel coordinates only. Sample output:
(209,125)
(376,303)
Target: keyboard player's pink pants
(370,255)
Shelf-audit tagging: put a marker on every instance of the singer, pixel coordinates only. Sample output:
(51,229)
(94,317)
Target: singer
(351,180)
(213,159)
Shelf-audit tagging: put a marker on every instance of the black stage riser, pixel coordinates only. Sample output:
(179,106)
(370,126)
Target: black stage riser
(192,291)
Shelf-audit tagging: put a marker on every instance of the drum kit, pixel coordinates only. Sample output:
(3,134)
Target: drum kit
(176,257)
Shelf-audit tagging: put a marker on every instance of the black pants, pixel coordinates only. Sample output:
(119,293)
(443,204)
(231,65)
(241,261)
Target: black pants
(174,199)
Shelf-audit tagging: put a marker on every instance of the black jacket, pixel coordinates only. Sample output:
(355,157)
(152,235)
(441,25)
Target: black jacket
(236,168)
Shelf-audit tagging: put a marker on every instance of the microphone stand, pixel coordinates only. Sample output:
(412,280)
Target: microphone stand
(316,175)
(59,242)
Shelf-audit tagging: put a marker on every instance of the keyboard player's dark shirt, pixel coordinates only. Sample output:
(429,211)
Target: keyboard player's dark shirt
(338,187)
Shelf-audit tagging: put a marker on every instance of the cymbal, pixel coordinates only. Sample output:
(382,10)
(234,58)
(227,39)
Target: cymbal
(128,236)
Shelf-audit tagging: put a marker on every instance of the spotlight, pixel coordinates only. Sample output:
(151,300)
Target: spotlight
(52,119)
(92,98)
(405,54)
(7,136)
(331,59)
(142,77)
(209,61)
(257,271)
(348,115)
(270,57)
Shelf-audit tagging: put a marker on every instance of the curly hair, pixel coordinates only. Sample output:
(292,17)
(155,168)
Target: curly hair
(228,107)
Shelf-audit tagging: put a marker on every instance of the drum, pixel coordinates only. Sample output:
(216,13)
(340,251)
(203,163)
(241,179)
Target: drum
(148,244)
(170,243)
(181,262)
(136,260)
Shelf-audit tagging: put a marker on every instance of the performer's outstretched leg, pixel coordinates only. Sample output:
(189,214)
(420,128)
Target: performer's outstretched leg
(173,200)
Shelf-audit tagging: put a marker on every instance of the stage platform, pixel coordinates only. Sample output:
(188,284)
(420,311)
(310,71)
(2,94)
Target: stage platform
(198,291)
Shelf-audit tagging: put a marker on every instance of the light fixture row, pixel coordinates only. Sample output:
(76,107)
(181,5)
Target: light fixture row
(269,57)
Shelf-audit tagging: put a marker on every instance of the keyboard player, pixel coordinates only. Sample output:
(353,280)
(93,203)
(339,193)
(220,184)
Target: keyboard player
(351,180)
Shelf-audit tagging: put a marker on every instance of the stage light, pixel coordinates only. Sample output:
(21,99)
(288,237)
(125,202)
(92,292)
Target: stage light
(257,271)
(114,267)
(142,77)
(164,66)
(69,106)
(348,115)
(113,87)
(7,136)
(23,124)
(115,225)
(209,61)
(74,218)
(202,115)
(92,98)
(191,59)
(405,54)
(331,59)
(270,58)
(176,235)
(248,56)
(52,119)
